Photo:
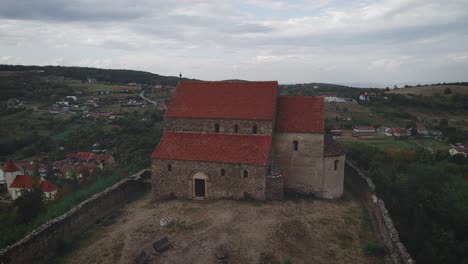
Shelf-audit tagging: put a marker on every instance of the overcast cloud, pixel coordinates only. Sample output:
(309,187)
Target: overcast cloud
(387,41)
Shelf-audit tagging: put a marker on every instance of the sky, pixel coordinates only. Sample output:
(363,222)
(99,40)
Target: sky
(334,41)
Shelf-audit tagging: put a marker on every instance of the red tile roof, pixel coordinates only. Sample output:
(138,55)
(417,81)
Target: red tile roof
(84,155)
(300,114)
(25,182)
(11,166)
(224,100)
(47,186)
(243,149)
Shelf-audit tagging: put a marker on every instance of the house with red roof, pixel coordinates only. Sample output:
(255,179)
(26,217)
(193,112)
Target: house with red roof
(230,140)
(17,182)
(25,183)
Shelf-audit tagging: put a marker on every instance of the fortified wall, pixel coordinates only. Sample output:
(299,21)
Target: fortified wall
(42,243)
(363,187)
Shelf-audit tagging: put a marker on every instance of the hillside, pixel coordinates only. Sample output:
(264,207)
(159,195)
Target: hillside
(432,90)
(85,73)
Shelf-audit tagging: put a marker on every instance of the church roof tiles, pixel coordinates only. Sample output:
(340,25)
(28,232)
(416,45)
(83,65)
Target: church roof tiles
(224,100)
(223,148)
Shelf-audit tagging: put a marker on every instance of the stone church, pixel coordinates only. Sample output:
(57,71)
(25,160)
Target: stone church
(241,139)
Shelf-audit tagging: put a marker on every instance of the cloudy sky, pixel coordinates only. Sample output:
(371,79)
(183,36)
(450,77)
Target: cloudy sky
(338,41)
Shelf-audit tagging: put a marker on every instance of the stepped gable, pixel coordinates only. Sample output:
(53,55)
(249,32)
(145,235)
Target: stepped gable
(224,100)
(223,148)
(301,114)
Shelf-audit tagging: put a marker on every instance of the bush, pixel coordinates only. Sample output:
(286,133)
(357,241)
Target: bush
(374,248)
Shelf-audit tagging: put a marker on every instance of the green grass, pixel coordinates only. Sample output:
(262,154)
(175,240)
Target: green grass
(106,87)
(10,234)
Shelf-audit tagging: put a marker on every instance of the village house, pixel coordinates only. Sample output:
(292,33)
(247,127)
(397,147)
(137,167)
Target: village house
(401,132)
(241,139)
(461,151)
(2,176)
(17,182)
(359,131)
(422,130)
(384,130)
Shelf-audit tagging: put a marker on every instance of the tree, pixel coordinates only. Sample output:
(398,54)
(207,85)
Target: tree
(29,204)
(387,89)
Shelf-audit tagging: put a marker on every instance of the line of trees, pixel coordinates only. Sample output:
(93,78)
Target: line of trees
(426,195)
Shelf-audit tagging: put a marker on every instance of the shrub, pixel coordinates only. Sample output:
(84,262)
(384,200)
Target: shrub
(374,248)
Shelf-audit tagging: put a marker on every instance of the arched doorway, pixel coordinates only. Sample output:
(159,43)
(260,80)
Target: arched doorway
(199,186)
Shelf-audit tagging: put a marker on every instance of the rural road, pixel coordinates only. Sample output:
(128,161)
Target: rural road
(142,95)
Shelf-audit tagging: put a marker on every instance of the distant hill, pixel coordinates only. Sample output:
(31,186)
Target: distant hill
(101,75)
(312,89)
(430,90)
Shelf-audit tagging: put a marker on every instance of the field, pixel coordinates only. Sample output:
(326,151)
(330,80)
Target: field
(431,90)
(302,231)
(94,87)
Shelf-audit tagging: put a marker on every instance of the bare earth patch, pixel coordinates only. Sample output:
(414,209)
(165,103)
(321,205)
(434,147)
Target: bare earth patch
(304,231)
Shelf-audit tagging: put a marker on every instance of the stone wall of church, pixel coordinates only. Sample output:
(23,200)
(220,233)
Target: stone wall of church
(333,176)
(302,168)
(225,125)
(177,181)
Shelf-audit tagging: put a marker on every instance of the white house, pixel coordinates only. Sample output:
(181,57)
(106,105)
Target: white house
(455,151)
(25,182)
(2,176)
(16,182)
(363,131)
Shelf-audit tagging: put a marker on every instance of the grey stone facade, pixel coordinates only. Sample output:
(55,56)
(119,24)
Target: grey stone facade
(263,127)
(179,182)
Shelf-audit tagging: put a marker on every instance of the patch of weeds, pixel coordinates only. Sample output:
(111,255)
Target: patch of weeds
(374,248)
(64,246)
(191,209)
(350,220)
(297,196)
(345,198)
(179,226)
(367,225)
(251,200)
(325,221)
(287,260)
(345,238)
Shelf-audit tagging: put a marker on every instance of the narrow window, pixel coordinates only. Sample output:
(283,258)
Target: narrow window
(336,165)
(223,172)
(169,167)
(236,128)
(295,145)
(216,128)
(254,129)
(245,174)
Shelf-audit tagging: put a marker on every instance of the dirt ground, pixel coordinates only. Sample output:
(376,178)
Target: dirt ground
(292,231)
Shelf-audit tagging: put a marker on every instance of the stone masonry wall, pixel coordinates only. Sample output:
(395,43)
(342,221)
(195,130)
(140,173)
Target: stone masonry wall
(179,183)
(42,243)
(302,168)
(225,125)
(364,188)
(333,179)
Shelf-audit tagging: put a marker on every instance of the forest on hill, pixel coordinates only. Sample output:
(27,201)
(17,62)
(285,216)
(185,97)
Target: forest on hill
(102,75)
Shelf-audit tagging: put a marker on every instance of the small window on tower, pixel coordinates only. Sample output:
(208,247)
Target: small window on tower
(295,145)
(245,174)
(216,128)
(223,172)
(169,167)
(336,164)
(236,128)
(254,129)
